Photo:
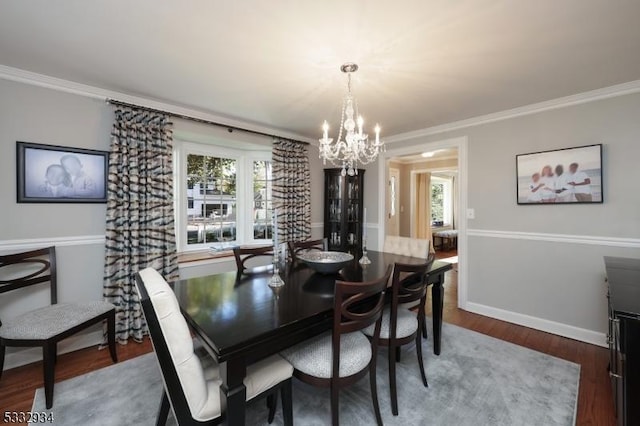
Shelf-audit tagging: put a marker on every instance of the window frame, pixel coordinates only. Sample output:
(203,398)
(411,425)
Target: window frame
(244,189)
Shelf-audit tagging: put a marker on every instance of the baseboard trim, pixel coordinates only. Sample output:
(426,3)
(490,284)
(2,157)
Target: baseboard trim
(564,330)
(557,238)
(28,355)
(28,244)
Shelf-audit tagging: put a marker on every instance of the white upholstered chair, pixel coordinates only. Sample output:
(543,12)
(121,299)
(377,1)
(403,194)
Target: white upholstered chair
(405,246)
(192,379)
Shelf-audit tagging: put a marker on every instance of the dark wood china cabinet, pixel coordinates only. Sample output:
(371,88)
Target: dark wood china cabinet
(343,210)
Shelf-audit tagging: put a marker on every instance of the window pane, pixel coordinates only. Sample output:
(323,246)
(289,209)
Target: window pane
(437,202)
(262,209)
(211,199)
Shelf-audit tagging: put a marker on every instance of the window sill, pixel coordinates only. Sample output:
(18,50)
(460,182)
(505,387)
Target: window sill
(200,255)
(187,257)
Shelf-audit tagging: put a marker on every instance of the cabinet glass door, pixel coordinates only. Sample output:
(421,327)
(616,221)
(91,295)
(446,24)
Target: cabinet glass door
(335,206)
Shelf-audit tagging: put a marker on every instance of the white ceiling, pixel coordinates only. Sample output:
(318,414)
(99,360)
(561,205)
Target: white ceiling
(276,63)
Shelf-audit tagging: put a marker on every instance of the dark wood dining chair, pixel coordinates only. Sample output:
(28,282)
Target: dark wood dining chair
(48,325)
(400,326)
(414,247)
(244,254)
(296,247)
(191,377)
(339,358)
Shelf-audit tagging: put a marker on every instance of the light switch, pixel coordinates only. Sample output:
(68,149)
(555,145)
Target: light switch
(401,209)
(471,214)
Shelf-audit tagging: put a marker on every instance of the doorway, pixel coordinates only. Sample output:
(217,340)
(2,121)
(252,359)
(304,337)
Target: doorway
(388,161)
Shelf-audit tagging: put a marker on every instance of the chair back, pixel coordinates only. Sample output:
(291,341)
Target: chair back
(409,282)
(182,373)
(356,306)
(243,255)
(29,268)
(296,247)
(405,246)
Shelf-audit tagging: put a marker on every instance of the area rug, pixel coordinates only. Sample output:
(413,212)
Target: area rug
(476,380)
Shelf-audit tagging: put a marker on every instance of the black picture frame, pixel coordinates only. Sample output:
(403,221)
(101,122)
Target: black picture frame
(539,181)
(60,174)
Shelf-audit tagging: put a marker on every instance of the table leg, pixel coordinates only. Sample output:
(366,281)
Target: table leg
(437,303)
(233,390)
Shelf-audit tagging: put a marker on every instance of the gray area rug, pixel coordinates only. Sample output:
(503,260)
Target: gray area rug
(476,380)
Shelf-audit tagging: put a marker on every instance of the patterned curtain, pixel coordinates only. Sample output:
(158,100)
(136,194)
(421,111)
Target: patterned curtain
(292,190)
(140,222)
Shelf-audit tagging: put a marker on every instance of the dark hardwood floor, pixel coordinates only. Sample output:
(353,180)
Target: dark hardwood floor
(595,406)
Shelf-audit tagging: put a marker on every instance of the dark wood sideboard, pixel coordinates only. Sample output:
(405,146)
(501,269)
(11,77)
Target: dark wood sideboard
(623,277)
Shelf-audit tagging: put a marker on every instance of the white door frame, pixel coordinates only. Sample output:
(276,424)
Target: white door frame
(461,143)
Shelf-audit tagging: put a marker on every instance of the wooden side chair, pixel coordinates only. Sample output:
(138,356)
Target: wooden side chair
(414,247)
(296,247)
(341,357)
(48,325)
(192,382)
(401,326)
(244,254)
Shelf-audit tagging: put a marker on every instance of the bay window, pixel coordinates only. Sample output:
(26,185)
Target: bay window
(222,196)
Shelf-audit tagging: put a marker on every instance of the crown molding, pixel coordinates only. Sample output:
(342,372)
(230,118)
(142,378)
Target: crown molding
(566,101)
(67,86)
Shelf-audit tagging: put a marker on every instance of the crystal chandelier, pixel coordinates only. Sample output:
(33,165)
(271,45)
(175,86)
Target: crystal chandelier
(355,147)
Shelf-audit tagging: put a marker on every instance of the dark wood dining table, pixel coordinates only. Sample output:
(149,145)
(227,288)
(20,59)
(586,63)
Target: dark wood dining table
(242,320)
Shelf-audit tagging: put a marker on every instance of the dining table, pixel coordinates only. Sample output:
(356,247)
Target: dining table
(240,319)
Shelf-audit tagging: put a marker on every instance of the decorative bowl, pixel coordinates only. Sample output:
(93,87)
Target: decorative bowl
(325,262)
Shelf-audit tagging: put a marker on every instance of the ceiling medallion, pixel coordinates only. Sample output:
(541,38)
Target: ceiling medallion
(354,148)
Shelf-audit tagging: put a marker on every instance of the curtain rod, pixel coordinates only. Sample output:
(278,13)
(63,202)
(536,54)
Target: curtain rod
(199,120)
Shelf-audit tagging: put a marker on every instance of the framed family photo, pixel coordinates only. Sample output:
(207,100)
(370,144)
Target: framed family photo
(57,174)
(562,176)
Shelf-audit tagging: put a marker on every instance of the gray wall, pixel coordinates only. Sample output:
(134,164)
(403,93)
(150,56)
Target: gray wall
(559,282)
(555,283)
(35,114)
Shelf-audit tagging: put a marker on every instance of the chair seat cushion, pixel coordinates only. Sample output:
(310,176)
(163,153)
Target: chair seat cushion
(265,374)
(50,321)
(261,376)
(314,356)
(407,324)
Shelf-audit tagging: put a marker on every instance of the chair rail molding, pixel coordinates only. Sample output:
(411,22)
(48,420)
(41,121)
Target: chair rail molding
(557,238)
(33,243)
